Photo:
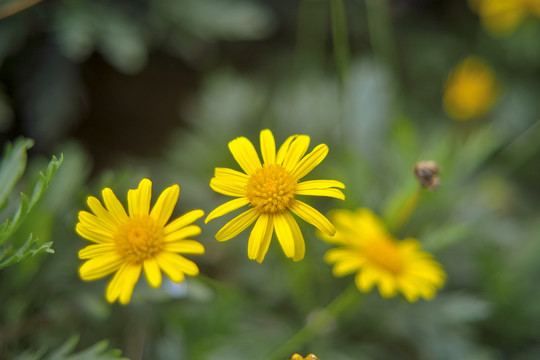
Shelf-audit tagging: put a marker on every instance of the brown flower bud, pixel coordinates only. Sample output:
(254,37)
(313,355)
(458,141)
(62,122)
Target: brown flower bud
(427,173)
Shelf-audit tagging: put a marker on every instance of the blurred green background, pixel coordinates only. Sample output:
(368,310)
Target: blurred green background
(157,88)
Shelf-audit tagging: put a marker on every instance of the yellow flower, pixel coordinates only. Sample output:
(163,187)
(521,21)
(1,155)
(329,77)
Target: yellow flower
(270,190)
(378,259)
(471,90)
(299,357)
(126,244)
(502,17)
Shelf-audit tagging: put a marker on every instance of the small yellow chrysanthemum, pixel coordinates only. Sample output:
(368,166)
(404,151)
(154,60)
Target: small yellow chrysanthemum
(378,259)
(270,190)
(471,90)
(126,244)
(502,17)
(299,357)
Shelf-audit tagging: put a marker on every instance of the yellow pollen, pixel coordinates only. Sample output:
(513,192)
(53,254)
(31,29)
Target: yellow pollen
(270,189)
(138,239)
(385,253)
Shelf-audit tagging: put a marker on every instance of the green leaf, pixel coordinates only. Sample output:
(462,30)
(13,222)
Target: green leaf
(12,168)
(65,352)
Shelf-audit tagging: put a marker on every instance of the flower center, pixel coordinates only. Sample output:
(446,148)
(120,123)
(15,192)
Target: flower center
(138,239)
(385,253)
(270,189)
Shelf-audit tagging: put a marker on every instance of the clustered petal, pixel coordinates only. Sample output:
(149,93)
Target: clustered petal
(128,244)
(367,249)
(270,189)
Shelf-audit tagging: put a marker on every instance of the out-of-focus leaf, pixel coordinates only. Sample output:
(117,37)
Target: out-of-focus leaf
(368,98)
(12,167)
(11,251)
(85,26)
(220,19)
(65,352)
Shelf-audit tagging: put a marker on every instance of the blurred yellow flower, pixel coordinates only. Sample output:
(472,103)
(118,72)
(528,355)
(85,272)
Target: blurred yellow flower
(470,90)
(502,17)
(126,244)
(365,247)
(270,190)
(299,357)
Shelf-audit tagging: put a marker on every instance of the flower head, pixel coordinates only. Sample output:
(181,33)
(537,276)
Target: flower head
(471,90)
(270,189)
(394,266)
(300,357)
(502,17)
(125,244)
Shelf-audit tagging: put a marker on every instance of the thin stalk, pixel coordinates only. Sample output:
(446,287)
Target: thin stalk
(340,37)
(320,321)
(381,34)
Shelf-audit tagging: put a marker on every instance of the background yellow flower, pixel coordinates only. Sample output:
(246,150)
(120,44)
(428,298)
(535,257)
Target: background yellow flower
(365,247)
(470,90)
(502,17)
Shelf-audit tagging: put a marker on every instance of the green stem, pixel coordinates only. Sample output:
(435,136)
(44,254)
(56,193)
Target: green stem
(381,34)
(318,323)
(341,38)
(406,210)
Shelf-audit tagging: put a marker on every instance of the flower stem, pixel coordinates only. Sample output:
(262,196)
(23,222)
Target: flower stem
(318,323)
(380,33)
(341,38)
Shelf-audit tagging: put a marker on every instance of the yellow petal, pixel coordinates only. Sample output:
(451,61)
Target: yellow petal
(227,208)
(335,193)
(266,239)
(297,149)
(312,216)
(169,267)
(113,205)
(165,204)
(347,265)
(175,265)
(92,221)
(228,188)
(365,279)
(101,266)
(284,149)
(95,205)
(244,153)
(183,221)
(299,244)
(184,247)
(139,199)
(237,225)
(268,147)
(231,176)
(258,235)
(130,277)
(311,160)
(183,233)
(152,272)
(284,235)
(97,250)
(93,235)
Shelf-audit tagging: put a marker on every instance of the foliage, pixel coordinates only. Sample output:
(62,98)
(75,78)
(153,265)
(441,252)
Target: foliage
(96,352)
(11,170)
(157,89)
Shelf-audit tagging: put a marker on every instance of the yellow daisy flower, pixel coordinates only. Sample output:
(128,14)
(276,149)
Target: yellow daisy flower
(127,244)
(502,17)
(270,190)
(471,89)
(378,259)
(299,357)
